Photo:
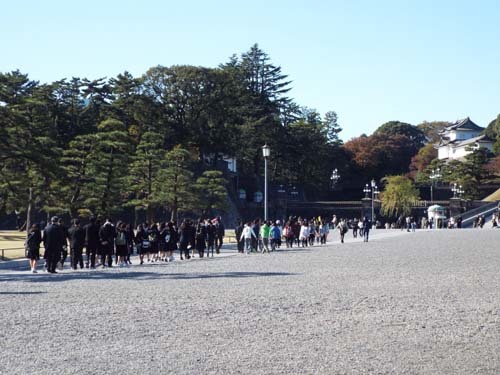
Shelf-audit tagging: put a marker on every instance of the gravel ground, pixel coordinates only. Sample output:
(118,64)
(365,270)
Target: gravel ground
(404,303)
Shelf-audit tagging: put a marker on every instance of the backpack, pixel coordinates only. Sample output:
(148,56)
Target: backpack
(121,239)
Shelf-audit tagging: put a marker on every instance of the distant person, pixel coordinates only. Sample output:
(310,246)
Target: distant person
(185,240)
(220,232)
(171,238)
(275,236)
(107,235)
(76,236)
(367,225)
(64,251)
(211,233)
(121,244)
(238,231)
(342,227)
(54,239)
(201,238)
(91,241)
(248,235)
(33,246)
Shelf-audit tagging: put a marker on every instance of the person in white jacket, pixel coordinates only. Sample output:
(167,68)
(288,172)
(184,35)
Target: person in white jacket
(304,233)
(247,236)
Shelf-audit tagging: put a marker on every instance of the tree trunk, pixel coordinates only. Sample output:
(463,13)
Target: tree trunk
(28,213)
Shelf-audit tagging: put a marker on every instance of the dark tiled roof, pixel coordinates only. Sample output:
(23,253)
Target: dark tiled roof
(465,124)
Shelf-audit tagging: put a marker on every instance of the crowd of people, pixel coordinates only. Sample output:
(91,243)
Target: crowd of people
(108,244)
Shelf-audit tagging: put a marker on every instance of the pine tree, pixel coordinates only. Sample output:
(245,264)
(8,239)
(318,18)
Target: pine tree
(175,185)
(211,186)
(144,173)
(108,168)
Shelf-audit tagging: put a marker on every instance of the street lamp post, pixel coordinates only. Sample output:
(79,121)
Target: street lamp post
(435,175)
(266,151)
(335,177)
(374,190)
(366,190)
(457,190)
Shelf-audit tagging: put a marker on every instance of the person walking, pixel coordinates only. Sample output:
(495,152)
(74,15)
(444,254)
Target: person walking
(107,234)
(304,233)
(76,236)
(367,225)
(185,239)
(53,240)
(238,231)
(121,244)
(91,241)
(342,227)
(275,236)
(201,238)
(64,250)
(355,228)
(142,240)
(248,235)
(264,234)
(131,241)
(171,239)
(220,232)
(256,239)
(33,246)
(153,236)
(289,235)
(162,242)
(211,234)
(324,230)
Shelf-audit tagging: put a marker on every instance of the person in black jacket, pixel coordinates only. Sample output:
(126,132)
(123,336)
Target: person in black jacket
(76,236)
(131,240)
(201,238)
(219,238)
(33,246)
(107,235)
(185,238)
(153,237)
(162,241)
(238,231)
(64,251)
(210,237)
(53,240)
(92,240)
(171,238)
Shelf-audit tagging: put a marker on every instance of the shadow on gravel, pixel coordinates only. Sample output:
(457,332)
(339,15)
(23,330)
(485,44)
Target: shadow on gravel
(19,293)
(137,276)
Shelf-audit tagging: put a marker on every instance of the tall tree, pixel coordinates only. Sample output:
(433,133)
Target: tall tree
(108,168)
(399,196)
(174,187)
(332,127)
(213,194)
(144,173)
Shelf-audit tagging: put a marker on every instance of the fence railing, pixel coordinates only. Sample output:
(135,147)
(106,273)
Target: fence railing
(2,251)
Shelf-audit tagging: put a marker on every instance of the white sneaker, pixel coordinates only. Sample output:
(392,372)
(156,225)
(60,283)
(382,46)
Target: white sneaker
(33,271)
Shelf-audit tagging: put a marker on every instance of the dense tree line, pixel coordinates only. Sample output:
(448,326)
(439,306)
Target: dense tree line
(152,142)
(96,146)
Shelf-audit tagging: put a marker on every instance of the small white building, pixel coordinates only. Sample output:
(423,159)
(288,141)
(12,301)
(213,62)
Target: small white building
(461,138)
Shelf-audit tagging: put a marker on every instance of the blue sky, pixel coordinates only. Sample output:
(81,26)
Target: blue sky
(370,61)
